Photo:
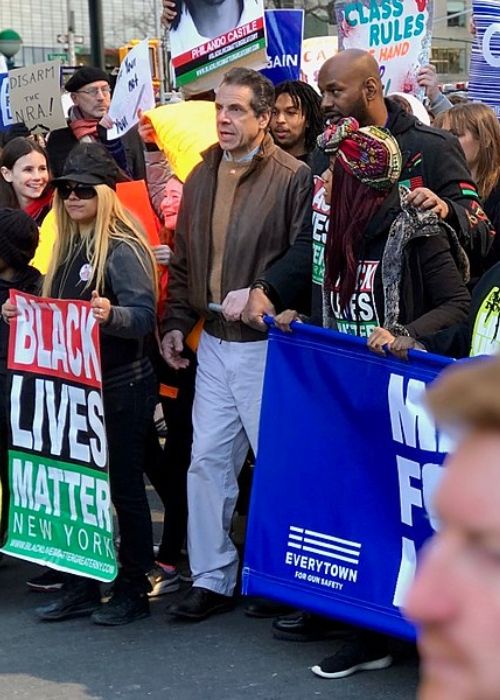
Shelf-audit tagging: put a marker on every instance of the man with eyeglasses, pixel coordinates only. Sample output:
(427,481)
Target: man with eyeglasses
(91,94)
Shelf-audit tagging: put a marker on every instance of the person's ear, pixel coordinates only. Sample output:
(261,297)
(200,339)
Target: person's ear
(7,174)
(372,88)
(264,120)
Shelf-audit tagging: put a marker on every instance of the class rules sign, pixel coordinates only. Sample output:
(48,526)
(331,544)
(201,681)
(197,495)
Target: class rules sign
(59,506)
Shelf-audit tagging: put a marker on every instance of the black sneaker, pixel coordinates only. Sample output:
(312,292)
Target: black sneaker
(125,605)
(200,603)
(50,580)
(351,657)
(78,598)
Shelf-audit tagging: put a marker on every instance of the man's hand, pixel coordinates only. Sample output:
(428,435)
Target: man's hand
(399,348)
(257,307)
(378,338)
(172,345)
(427,78)
(163,254)
(423,198)
(285,318)
(234,303)
(145,128)
(169,14)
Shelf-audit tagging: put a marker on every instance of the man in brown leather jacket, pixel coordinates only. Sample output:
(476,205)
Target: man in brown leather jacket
(243,207)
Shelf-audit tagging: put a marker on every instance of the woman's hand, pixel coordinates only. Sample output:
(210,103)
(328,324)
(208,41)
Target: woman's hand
(285,318)
(163,254)
(9,311)
(378,338)
(101,307)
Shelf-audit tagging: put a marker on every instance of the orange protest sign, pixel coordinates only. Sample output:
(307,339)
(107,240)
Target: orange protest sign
(134,197)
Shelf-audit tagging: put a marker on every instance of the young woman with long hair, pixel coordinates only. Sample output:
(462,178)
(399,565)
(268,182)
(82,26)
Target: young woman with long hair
(101,255)
(478,130)
(25,177)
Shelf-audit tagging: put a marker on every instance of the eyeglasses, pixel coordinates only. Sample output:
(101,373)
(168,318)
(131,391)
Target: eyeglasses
(81,191)
(93,92)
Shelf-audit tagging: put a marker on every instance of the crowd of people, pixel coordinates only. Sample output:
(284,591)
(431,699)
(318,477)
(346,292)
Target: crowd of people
(345,209)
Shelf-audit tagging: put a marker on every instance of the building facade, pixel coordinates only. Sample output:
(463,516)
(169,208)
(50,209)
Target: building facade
(43,26)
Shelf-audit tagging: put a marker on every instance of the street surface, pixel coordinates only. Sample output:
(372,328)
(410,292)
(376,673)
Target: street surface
(227,657)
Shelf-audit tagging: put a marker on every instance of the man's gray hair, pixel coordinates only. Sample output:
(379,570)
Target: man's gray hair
(261,87)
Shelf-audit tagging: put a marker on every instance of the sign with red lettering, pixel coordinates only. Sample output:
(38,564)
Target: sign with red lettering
(205,42)
(59,506)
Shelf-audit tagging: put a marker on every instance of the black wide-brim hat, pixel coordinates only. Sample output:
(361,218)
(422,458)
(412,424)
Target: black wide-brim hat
(90,164)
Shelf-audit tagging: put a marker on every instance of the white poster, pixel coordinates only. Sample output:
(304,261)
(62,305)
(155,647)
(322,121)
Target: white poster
(133,90)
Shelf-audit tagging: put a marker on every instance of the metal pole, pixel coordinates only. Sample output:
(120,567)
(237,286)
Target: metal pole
(71,34)
(96,34)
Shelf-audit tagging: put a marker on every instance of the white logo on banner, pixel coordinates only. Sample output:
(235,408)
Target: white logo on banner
(330,566)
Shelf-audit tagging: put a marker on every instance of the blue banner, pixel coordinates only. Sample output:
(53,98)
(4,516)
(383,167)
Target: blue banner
(284,29)
(484,82)
(5,113)
(348,459)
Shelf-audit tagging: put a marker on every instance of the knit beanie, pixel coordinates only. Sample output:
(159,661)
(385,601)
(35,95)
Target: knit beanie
(18,238)
(84,76)
(370,153)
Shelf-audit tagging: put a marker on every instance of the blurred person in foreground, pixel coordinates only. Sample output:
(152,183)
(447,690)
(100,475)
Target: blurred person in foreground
(455,597)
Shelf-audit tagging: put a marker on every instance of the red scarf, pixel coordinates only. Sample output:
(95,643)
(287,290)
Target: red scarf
(84,127)
(38,208)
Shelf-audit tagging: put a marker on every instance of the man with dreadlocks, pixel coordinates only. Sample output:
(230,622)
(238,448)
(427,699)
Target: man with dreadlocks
(296,119)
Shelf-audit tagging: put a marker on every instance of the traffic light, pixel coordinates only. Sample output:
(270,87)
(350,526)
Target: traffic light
(154,47)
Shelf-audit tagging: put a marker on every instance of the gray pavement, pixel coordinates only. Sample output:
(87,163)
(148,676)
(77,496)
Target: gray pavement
(227,657)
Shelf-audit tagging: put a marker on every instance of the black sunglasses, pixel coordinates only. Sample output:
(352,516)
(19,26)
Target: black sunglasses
(81,191)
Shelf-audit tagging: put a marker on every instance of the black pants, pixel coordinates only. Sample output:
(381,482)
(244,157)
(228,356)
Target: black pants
(167,469)
(129,411)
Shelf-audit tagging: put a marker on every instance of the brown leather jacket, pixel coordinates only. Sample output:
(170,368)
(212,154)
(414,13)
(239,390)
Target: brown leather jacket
(272,205)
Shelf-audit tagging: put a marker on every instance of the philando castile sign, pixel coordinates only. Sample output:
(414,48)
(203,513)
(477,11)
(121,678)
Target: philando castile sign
(60,503)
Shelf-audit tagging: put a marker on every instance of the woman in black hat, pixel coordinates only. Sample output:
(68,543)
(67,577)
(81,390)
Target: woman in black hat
(101,255)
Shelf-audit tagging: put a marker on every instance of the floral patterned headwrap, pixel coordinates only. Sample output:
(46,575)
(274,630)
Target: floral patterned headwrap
(369,153)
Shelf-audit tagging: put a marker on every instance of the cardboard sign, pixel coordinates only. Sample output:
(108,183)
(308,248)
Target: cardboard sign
(396,32)
(359,478)
(60,501)
(133,90)
(35,96)
(484,83)
(202,52)
(315,51)
(284,29)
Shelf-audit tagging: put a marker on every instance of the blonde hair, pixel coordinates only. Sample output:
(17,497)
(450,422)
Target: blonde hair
(483,124)
(112,223)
